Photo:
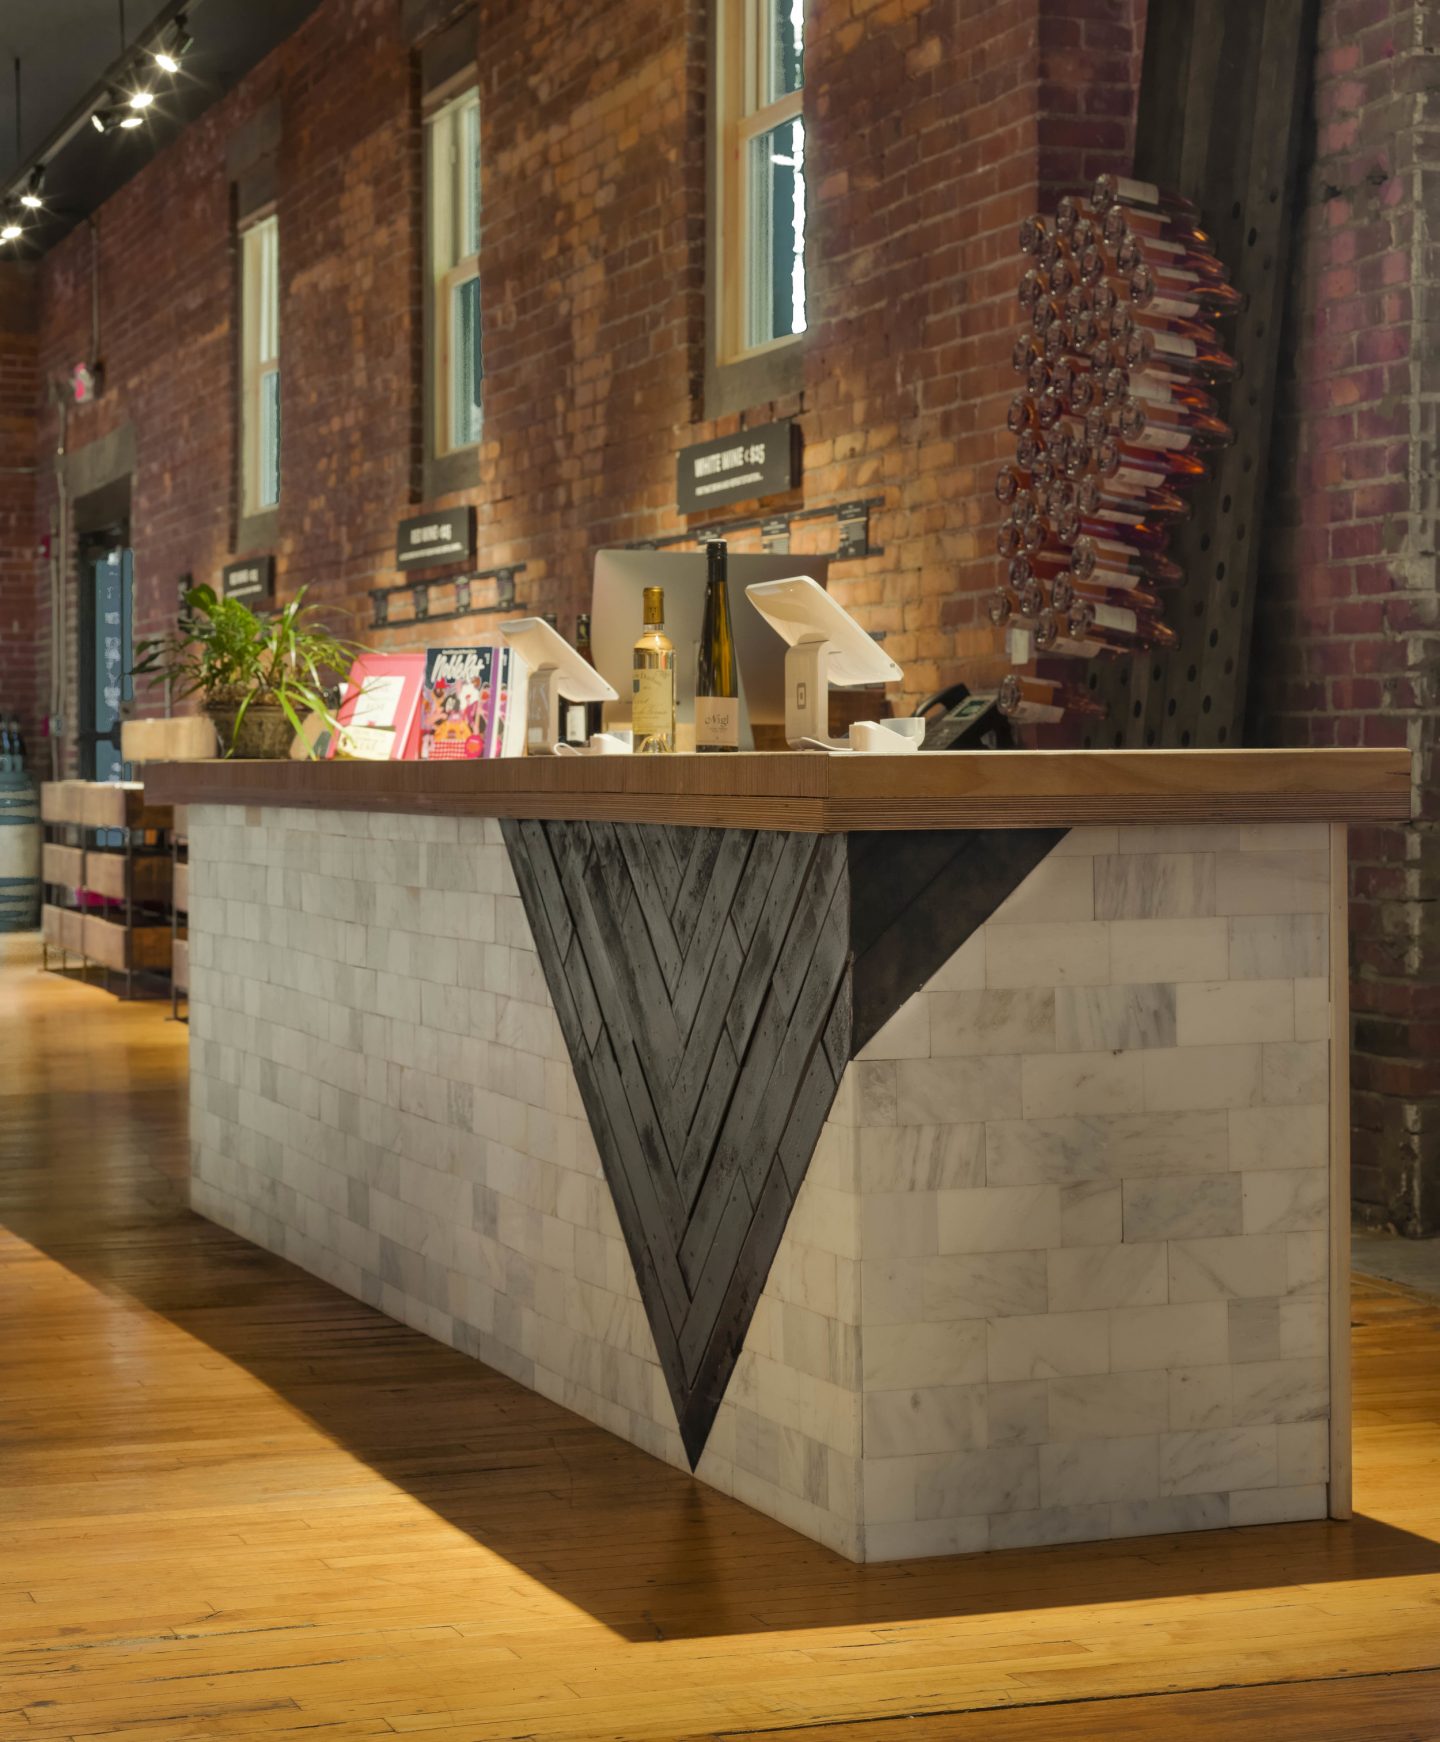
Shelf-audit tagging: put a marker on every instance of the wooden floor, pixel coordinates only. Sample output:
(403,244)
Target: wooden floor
(236,1503)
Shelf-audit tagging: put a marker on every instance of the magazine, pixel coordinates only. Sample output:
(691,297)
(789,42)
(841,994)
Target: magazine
(457,704)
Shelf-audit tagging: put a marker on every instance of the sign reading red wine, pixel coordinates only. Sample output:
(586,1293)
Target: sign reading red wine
(252,580)
(756,462)
(427,541)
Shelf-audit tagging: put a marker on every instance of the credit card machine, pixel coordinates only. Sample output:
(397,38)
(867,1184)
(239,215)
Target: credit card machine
(956,720)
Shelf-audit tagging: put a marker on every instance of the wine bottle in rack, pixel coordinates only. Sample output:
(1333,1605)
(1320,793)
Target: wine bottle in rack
(1045,701)
(1118,626)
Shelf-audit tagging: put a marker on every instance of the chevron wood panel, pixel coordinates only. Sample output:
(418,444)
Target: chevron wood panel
(701,978)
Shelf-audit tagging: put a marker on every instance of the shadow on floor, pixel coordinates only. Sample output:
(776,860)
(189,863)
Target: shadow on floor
(92,1173)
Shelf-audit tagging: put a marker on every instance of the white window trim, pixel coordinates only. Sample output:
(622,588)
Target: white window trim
(259,359)
(740,76)
(446,273)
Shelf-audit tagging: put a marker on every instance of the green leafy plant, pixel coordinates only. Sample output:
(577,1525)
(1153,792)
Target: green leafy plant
(235,660)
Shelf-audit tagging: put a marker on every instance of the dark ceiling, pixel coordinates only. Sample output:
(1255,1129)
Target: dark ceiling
(69,49)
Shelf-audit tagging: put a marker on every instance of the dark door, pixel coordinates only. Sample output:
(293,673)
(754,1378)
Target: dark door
(107,587)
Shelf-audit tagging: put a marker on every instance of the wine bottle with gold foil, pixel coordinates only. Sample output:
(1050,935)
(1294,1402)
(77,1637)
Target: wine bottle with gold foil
(652,718)
(717,705)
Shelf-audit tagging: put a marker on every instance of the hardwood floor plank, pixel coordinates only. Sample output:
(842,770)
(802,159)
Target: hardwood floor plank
(234,1503)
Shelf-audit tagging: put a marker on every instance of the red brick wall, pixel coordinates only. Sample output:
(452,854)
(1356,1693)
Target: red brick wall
(1348,637)
(927,144)
(20,564)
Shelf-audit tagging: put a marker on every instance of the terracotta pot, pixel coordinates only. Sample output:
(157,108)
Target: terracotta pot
(264,735)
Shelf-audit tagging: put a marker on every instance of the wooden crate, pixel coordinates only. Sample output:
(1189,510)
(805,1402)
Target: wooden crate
(149,875)
(62,928)
(115,805)
(180,965)
(62,867)
(115,946)
(60,800)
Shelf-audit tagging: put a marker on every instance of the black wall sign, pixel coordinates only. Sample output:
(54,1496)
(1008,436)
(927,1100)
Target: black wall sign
(738,468)
(427,541)
(252,580)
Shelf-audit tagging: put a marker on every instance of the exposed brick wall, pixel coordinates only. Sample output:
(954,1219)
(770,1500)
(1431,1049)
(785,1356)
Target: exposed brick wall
(1348,637)
(20,563)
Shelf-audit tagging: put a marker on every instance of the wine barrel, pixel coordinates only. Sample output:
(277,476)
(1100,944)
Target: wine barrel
(19,853)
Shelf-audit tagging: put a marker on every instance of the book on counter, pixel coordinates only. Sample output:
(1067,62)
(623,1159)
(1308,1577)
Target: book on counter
(472,704)
(379,714)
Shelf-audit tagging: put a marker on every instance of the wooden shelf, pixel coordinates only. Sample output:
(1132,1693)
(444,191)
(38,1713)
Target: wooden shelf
(829,794)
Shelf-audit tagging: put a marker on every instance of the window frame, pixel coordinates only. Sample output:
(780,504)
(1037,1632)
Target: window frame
(739,377)
(446,272)
(259,285)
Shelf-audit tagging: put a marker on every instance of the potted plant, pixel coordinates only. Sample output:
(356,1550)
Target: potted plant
(257,677)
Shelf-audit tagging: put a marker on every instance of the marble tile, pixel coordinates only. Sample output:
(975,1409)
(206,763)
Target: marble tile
(1254,1330)
(1047,955)
(1106,1406)
(1302,1453)
(1018,1413)
(921,1158)
(1005,1480)
(1112,1018)
(874,1092)
(929,1536)
(1070,1151)
(1167,951)
(1181,837)
(1086,843)
(1155,886)
(1276,1391)
(955,1090)
(896,1357)
(1307,1262)
(1061,887)
(899,1225)
(1049,1525)
(1271,883)
(1089,1278)
(1278,946)
(1087,1471)
(1267,1138)
(905,1036)
(1198,1078)
(1217,1460)
(1224,1012)
(1312,1010)
(998,1020)
(1091,1214)
(1245,1266)
(1190,1335)
(1278,1505)
(1296,1074)
(888,1486)
(997,1219)
(890,1292)
(1304,1326)
(1287,1200)
(1200,1397)
(1081,1083)
(936,1418)
(965,970)
(1169,1515)
(1183,1207)
(980,1285)
(1048,1346)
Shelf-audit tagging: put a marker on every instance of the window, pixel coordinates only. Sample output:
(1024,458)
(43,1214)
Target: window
(260,365)
(454,164)
(761,157)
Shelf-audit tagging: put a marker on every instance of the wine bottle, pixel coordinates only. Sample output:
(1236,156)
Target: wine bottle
(1044,701)
(1097,500)
(717,706)
(1110,190)
(1155,348)
(1117,626)
(653,682)
(583,719)
(1146,424)
(1113,556)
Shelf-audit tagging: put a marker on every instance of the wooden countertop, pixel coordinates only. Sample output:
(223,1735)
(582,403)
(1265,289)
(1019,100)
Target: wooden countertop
(828,794)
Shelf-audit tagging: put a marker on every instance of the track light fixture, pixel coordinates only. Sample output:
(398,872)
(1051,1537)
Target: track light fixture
(32,196)
(11,229)
(170,50)
(116,115)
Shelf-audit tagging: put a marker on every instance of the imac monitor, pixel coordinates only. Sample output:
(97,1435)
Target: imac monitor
(621,577)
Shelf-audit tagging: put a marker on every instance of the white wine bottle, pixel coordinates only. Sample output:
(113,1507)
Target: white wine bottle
(652,715)
(717,705)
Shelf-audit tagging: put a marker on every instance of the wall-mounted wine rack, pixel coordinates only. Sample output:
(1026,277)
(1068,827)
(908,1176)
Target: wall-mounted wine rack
(852,522)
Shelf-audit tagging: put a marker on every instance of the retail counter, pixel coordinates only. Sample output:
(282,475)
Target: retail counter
(936,1152)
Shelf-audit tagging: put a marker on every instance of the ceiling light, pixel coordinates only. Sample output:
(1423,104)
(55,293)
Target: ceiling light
(141,99)
(128,121)
(11,229)
(32,197)
(172,46)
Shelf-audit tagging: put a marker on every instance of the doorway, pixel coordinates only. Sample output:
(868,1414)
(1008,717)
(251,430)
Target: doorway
(107,649)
